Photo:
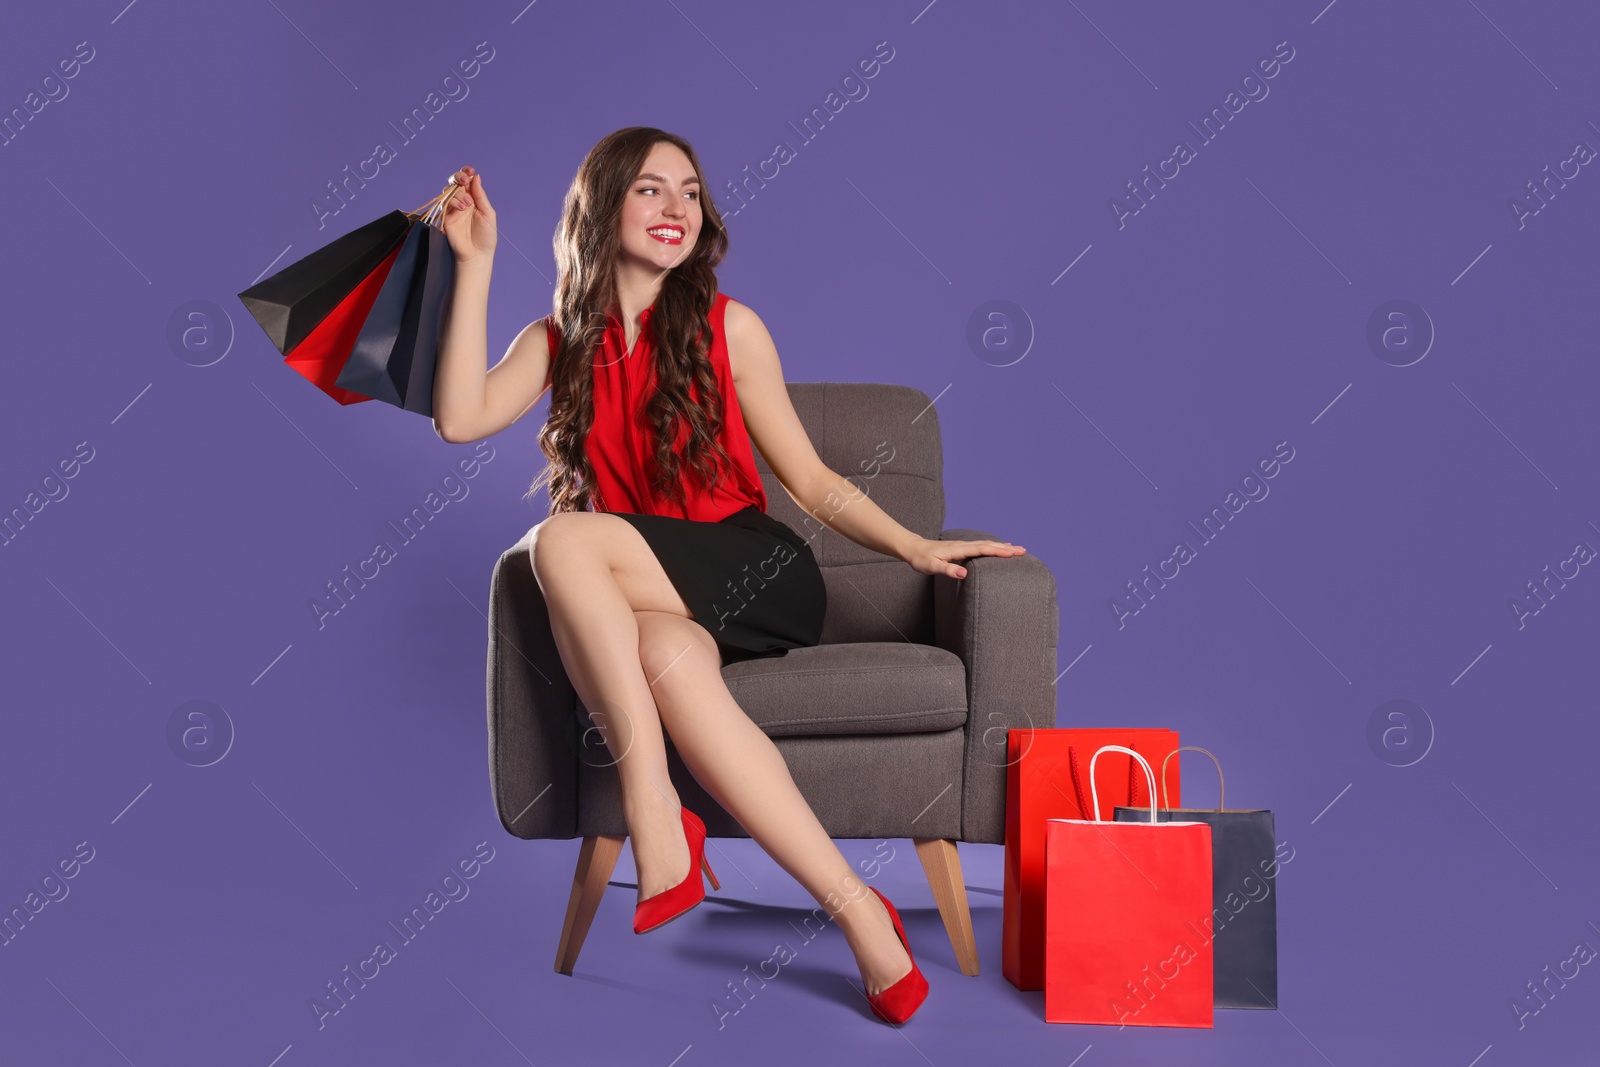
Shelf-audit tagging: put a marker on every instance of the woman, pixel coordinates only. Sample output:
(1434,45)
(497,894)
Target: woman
(659,384)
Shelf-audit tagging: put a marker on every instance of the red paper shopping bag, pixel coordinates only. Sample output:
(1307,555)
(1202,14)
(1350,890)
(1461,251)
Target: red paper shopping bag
(1041,785)
(1125,911)
(321,356)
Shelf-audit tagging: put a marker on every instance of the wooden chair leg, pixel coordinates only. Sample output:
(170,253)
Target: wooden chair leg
(596,860)
(943,867)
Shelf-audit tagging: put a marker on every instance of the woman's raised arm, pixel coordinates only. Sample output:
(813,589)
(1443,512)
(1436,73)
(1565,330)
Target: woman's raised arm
(470,401)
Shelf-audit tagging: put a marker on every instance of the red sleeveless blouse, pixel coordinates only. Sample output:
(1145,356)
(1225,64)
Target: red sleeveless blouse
(621,443)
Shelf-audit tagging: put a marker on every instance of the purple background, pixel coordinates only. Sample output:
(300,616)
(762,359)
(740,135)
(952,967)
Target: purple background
(1225,317)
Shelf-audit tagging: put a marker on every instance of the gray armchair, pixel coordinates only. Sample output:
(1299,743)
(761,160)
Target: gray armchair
(893,726)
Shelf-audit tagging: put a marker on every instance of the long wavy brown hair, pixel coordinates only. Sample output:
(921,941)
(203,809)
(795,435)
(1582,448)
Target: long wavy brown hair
(587,244)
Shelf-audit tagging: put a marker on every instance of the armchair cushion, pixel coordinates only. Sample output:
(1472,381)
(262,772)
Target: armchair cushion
(862,687)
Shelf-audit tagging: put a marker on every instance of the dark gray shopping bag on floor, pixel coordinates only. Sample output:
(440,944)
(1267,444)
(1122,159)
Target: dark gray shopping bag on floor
(1244,889)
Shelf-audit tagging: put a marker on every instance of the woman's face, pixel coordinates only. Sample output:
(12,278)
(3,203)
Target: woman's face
(661,214)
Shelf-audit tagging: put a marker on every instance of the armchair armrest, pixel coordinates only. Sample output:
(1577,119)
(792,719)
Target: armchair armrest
(533,723)
(1002,620)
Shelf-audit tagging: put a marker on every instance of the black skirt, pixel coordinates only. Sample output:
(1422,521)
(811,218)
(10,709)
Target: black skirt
(750,579)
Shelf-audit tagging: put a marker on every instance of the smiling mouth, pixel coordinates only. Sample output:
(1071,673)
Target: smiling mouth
(669,235)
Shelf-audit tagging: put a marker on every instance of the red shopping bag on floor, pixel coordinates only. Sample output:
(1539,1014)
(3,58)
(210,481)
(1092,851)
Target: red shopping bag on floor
(1041,784)
(1125,910)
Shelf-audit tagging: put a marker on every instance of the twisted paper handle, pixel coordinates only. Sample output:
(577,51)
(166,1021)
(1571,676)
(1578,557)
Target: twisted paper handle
(1150,777)
(1136,789)
(1166,801)
(432,211)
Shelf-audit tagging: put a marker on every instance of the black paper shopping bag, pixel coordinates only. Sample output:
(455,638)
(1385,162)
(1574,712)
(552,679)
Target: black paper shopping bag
(289,304)
(1244,909)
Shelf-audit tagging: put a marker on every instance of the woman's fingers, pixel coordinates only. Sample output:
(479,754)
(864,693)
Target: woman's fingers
(470,190)
(948,554)
(969,549)
(468,198)
(991,548)
(476,188)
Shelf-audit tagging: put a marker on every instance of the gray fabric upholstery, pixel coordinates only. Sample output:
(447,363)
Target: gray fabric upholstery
(871,597)
(1001,621)
(871,687)
(893,726)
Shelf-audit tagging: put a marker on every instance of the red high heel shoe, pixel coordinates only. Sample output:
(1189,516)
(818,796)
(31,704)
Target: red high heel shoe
(668,905)
(900,1001)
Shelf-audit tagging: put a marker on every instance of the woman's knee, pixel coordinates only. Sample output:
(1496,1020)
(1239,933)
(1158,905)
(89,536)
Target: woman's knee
(559,542)
(579,545)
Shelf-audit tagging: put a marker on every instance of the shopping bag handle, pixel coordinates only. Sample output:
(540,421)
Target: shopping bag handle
(1165,802)
(434,208)
(1094,790)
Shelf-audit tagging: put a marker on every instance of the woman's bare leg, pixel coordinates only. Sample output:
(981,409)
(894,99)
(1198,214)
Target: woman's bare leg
(743,771)
(595,570)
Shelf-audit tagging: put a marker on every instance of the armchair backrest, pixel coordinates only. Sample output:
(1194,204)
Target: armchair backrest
(883,439)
